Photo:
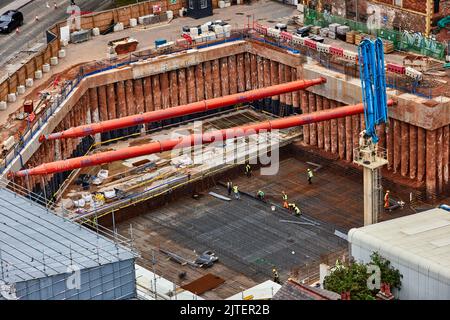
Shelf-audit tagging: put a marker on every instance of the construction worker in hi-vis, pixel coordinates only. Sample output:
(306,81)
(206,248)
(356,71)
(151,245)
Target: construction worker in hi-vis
(236,192)
(285,200)
(248,170)
(297,211)
(276,277)
(310,175)
(386,199)
(260,195)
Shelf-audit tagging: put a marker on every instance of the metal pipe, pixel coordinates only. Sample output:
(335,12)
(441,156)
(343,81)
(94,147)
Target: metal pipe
(169,113)
(191,140)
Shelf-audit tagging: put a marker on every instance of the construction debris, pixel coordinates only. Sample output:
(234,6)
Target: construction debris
(298,222)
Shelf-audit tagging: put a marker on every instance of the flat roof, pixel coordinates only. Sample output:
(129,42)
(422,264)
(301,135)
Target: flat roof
(422,239)
(36,243)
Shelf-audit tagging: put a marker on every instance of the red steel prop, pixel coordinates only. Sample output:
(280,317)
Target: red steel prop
(191,140)
(169,113)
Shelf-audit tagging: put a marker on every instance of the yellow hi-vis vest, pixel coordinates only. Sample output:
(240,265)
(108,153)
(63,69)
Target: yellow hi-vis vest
(235,189)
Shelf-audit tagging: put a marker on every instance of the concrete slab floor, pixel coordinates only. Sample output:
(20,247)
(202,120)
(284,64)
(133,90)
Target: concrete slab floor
(248,236)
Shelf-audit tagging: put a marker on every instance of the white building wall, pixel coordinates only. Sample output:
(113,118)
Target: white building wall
(418,282)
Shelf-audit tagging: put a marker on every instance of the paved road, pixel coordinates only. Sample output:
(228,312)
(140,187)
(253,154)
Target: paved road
(33,31)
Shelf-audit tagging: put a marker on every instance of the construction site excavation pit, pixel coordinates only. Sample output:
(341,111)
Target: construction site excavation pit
(167,81)
(175,200)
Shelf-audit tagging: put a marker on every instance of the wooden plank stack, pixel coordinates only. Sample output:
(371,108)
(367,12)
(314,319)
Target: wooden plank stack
(388,46)
(350,37)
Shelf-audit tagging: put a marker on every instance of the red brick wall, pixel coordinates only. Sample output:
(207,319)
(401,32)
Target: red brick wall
(416,5)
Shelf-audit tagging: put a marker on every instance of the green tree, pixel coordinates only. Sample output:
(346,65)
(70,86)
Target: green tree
(353,278)
(389,274)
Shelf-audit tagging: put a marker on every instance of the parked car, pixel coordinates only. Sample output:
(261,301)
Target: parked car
(304,31)
(10,20)
(206,259)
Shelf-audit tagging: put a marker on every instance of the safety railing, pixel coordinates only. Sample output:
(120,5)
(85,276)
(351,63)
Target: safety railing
(39,200)
(403,41)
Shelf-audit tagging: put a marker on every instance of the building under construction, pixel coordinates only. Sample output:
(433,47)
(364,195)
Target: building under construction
(144,144)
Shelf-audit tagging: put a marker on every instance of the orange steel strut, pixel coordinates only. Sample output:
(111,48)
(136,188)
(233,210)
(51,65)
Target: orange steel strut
(191,140)
(200,106)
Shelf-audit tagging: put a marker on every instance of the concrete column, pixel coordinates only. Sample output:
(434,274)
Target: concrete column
(431,163)
(305,109)
(77,113)
(139,96)
(232,74)
(83,105)
(282,79)
(421,152)
(164,81)
(397,145)
(348,139)
(224,77)
(267,82)
(240,72)
(173,88)
(404,149)
(215,67)
(248,71)
(341,135)
(121,100)
(334,131)
(312,126)
(390,145)
(102,103)
(445,156)
(355,132)
(130,98)
(190,78)
(439,164)
(260,68)
(319,107)
(287,70)
(208,80)
(381,132)
(295,94)
(254,72)
(326,126)
(148,94)
(275,79)
(69,142)
(199,82)
(156,92)
(111,101)
(58,150)
(182,86)
(412,151)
